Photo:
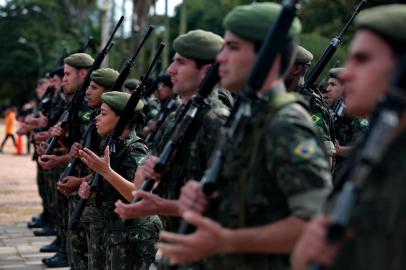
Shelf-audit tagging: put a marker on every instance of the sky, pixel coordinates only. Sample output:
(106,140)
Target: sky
(160,6)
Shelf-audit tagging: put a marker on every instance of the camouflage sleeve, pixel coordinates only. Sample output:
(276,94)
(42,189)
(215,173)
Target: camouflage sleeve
(128,161)
(205,143)
(300,167)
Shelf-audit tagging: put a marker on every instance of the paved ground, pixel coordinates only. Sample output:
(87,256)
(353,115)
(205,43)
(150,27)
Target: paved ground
(19,200)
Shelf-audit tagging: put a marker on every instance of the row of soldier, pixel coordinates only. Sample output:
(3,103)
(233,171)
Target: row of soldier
(283,165)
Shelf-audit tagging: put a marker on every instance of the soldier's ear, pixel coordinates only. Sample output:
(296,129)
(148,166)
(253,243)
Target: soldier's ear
(83,73)
(204,70)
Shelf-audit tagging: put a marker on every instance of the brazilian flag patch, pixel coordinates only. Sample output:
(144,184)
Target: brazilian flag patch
(317,119)
(85,116)
(303,150)
(363,122)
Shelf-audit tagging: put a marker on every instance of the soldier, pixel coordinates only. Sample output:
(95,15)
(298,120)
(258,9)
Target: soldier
(348,129)
(275,174)
(195,52)
(164,94)
(376,237)
(126,246)
(294,81)
(84,249)
(130,85)
(75,71)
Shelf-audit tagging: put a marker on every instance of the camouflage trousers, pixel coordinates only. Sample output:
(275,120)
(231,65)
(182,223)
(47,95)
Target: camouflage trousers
(43,190)
(77,245)
(132,248)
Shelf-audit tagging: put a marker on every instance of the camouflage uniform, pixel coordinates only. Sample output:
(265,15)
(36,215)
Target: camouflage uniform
(191,159)
(77,246)
(379,217)
(151,108)
(322,119)
(274,167)
(126,246)
(348,131)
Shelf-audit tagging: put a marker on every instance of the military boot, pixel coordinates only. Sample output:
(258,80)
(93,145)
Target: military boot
(54,246)
(58,260)
(46,231)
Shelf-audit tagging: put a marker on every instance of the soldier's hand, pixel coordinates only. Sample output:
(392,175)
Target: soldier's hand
(52,161)
(313,246)
(69,184)
(192,198)
(147,169)
(208,239)
(74,150)
(57,131)
(84,190)
(42,121)
(41,136)
(101,165)
(150,204)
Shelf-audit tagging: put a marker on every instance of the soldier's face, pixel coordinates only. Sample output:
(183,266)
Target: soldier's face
(236,60)
(106,120)
(56,82)
(41,89)
(369,67)
(334,91)
(163,92)
(185,76)
(93,94)
(71,80)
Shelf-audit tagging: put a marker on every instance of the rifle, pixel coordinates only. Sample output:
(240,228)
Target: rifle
(384,125)
(331,49)
(76,102)
(241,111)
(169,107)
(338,110)
(118,130)
(183,125)
(125,71)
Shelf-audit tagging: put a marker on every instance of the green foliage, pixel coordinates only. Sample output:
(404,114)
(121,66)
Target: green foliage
(33,34)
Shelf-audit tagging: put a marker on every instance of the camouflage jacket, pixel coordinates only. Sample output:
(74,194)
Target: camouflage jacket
(349,130)
(58,105)
(321,118)
(379,218)
(78,123)
(192,157)
(274,167)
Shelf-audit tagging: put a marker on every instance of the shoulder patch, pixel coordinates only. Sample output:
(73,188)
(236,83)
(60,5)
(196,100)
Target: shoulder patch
(317,119)
(304,149)
(363,122)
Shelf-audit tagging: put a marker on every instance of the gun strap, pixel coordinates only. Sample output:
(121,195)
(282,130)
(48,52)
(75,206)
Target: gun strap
(278,102)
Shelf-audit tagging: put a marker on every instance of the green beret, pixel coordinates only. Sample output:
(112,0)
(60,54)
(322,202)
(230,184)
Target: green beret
(198,44)
(131,84)
(303,56)
(105,77)
(117,100)
(252,22)
(388,21)
(79,60)
(335,72)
